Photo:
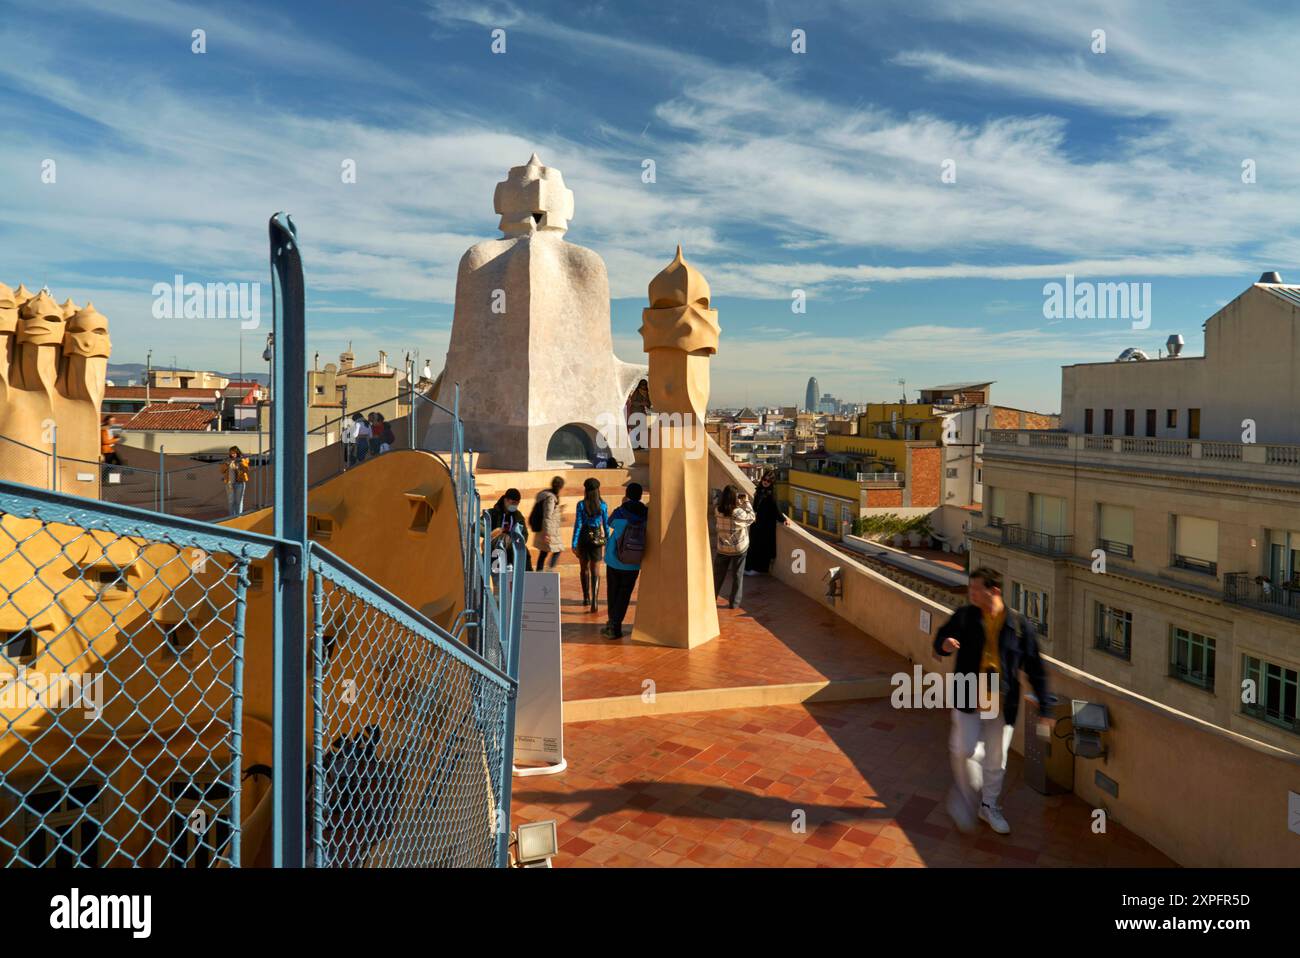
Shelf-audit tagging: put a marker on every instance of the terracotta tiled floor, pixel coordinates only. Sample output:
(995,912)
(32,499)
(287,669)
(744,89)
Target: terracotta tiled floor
(723,788)
(776,636)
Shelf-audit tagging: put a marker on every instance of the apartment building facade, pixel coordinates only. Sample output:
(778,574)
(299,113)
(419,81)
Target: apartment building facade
(1155,538)
(904,457)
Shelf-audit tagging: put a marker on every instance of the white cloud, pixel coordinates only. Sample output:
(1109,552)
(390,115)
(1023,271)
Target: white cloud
(768,186)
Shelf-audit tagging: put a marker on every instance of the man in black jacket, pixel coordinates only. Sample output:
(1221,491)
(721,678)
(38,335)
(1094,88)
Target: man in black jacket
(989,638)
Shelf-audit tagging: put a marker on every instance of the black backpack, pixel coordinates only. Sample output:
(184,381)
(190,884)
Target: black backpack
(537,518)
(593,529)
(631,544)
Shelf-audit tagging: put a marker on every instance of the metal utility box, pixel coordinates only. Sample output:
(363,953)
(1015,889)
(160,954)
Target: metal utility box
(1049,766)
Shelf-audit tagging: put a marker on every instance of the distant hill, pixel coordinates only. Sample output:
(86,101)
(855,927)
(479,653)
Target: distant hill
(123,373)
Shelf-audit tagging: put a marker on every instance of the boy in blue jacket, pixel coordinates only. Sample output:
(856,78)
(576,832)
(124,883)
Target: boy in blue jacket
(623,565)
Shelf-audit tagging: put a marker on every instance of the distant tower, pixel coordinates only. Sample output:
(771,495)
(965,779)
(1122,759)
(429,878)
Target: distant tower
(810,397)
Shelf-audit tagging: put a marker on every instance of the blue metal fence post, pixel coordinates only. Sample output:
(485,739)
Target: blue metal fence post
(510,646)
(410,399)
(242,582)
(318,720)
(289,432)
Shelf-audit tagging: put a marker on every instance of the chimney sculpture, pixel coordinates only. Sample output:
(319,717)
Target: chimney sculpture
(53,364)
(676,604)
(531,345)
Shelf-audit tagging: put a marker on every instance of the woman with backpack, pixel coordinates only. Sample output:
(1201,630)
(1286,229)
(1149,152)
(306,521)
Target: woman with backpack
(590,532)
(545,521)
(623,554)
(735,516)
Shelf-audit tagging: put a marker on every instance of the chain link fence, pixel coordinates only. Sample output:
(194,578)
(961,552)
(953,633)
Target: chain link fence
(26,464)
(409,736)
(131,739)
(121,686)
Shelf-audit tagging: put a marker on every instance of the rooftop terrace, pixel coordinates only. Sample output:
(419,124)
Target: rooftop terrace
(786,711)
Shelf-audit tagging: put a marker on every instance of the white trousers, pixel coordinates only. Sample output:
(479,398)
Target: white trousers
(978,748)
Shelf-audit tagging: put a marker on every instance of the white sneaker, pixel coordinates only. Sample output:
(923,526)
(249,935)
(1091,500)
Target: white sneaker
(995,819)
(960,811)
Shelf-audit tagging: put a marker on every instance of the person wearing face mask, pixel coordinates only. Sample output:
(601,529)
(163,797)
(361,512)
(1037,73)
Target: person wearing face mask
(506,519)
(762,536)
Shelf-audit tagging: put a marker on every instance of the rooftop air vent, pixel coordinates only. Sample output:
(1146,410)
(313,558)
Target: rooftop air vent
(1273,278)
(1174,344)
(1132,354)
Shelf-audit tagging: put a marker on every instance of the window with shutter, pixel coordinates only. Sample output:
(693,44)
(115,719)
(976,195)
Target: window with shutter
(1115,529)
(1196,544)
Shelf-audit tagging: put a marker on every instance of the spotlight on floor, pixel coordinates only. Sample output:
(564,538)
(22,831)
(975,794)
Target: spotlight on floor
(536,844)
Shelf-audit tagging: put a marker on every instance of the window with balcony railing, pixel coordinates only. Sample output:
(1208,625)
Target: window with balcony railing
(1261,592)
(1114,631)
(1196,544)
(997,507)
(1191,658)
(1276,693)
(1115,529)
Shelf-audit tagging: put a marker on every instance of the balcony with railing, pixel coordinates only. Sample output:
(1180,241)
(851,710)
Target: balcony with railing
(1018,537)
(1244,460)
(880,477)
(1113,547)
(1257,592)
(1193,564)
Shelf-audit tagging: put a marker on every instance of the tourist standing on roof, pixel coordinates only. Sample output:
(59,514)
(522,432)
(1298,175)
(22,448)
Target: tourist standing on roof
(623,552)
(994,644)
(234,473)
(734,517)
(762,538)
(506,521)
(545,521)
(590,532)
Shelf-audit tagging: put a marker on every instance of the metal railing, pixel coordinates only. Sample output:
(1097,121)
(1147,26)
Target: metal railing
(181,693)
(410,761)
(1193,564)
(122,688)
(122,684)
(1170,448)
(1261,593)
(28,464)
(1116,548)
(1045,543)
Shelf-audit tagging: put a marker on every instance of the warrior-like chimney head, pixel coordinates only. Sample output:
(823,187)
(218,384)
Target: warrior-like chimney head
(40,321)
(532,198)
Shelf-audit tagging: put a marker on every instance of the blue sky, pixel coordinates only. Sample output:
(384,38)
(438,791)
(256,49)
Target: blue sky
(818,171)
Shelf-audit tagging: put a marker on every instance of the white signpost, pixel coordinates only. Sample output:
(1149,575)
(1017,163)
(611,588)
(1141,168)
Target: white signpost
(539,716)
